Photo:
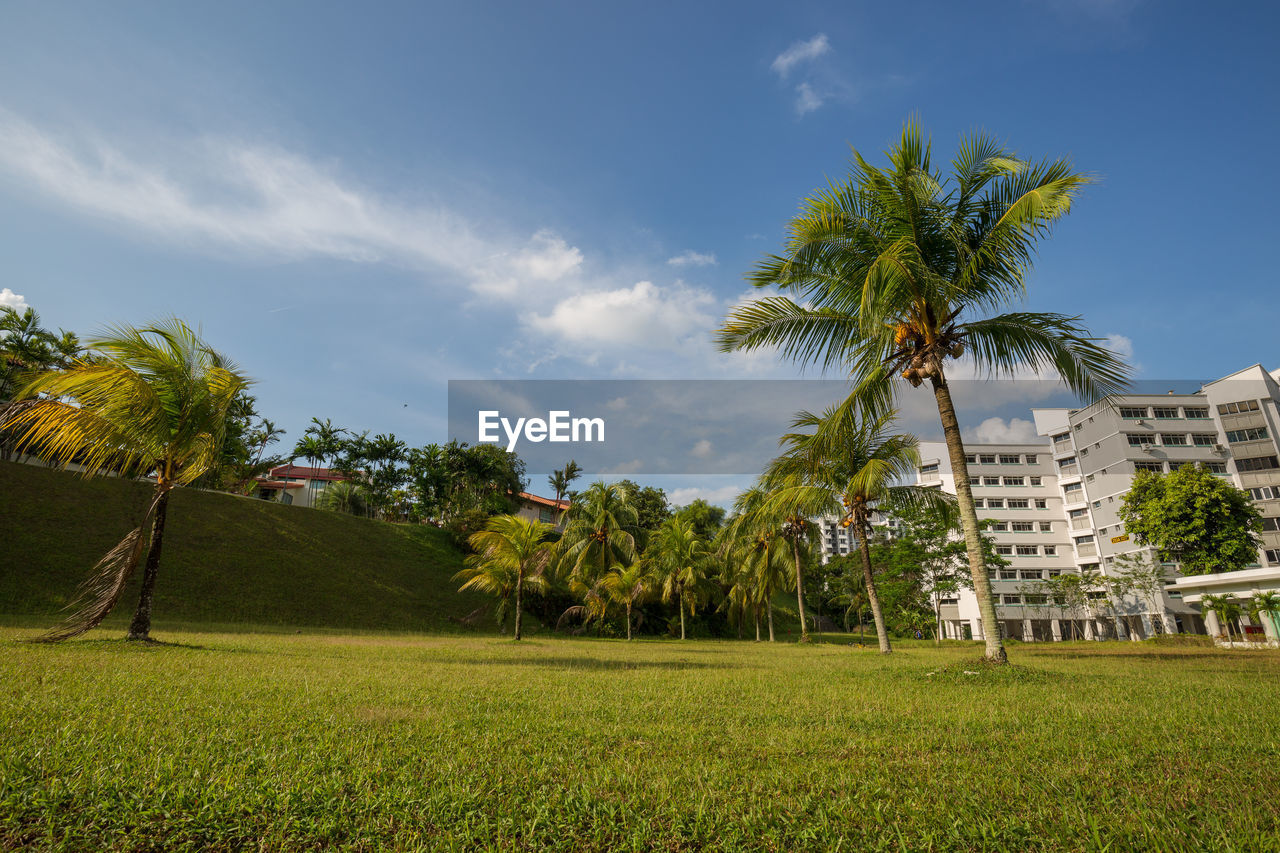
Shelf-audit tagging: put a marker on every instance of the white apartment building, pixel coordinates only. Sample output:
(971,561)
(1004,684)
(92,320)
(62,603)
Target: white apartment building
(1055,504)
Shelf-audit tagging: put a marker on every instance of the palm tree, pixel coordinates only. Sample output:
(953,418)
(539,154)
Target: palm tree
(763,562)
(1226,607)
(561,480)
(778,527)
(849,466)
(678,558)
(903,269)
(345,496)
(152,401)
(310,448)
(510,554)
(601,530)
(629,586)
(1268,604)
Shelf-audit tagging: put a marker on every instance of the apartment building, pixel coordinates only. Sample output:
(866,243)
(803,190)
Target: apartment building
(836,540)
(1055,505)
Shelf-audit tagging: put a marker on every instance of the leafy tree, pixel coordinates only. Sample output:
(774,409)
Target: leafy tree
(629,586)
(1226,607)
(510,554)
(903,269)
(762,515)
(928,534)
(705,518)
(345,496)
(757,564)
(1194,518)
(1145,576)
(151,401)
(679,559)
(601,530)
(650,502)
(27,349)
(849,465)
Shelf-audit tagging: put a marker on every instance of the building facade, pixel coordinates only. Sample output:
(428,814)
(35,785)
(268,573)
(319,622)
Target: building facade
(1053,506)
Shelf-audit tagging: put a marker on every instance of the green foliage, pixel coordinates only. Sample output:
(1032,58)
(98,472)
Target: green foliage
(511,554)
(1194,518)
(372,742)
(452,481)
(650,504)
(345,496)
(705,518)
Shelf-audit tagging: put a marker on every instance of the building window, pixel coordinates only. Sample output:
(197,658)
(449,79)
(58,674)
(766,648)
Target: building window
(1157,467)
(929,469)
(971,458)
(1000,526)
(975,481)
(1024,527)
(1215,467)
(1011,599)
(977,503)
(1265,493)
(1194,413)
(1036,481)
(1027,551)
(1063,463)
(987,459)
(990,481)
(1030,574)
(1009,459)
(1271,524)
(1165,412)
(1041,503)
(1031,458)
(1273,555)
(1005,551)
(1257,463)
(1173,439)
(1046,527)
(1237,408)
(1053,573)
(1073,489)
(1015,481)
(1140,440)
(995,503)
(1085,540)
(1133,412)
(1019,503)
(1061,437)
(1037,599)
(1255,434)
(1051,550)
(1201,439)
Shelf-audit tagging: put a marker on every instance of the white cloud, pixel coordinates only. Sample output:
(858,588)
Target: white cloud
(219,194)
(693,259)
(721,496)
(1120,345)
(997,431)
(701,449)
(624,469)
(643,314)
(801,51)
(807,100)
(9,299)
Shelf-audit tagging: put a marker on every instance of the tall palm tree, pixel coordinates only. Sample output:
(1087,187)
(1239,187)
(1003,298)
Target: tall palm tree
(629,586)
(779,527)
(510,554)
(679,558)
(762,560)
(851,466)
(561,480)
(902,270)
(601,530)
(148,402)
(311,449)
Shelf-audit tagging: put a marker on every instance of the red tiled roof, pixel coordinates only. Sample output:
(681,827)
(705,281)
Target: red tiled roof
(308,473)
(277,484)
(537,499)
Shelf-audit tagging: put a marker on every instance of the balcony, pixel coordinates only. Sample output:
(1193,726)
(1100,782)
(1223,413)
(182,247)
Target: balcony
(1088,549)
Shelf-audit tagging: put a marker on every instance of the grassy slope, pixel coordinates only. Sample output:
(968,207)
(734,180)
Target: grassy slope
(226,559)
(370,743)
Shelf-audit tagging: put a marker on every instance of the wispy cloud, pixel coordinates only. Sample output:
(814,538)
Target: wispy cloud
(220,194)
(691,258)
(999,431)
(807,99)
(800,52)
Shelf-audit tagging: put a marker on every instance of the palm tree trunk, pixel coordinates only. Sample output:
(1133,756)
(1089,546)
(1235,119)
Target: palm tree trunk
(680,604)
(757,611)
(804,624)
(628,618)
(769,606)
(140,628)
(969,521)
(519,592)
(873,599)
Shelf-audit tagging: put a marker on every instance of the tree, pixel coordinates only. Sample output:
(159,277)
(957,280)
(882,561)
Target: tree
(900,270)
(849,465)
(27,349)
(562,479)
(768,519)
(757,564)
(345,496)
(1194,518)
(650,503)
(1146,576)
(153,402)
(629,586)
(678,557)
(705,518)
(600,531)
(928,533)
(510,554)
(1225,606)
(1266,604)
(310,448)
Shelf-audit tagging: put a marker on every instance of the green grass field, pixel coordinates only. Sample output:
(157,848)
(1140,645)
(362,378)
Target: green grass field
(226,559)
(375,742)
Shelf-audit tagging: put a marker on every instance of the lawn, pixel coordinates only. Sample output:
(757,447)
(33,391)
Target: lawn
(372,742)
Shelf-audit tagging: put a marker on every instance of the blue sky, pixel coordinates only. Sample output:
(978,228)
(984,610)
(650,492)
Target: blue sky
(359,203)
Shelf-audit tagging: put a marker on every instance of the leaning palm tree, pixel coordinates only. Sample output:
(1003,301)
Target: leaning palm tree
(762,563)
(902,270)
(146,402)
(778,528)
(849,466)
(511,553)
(679,559)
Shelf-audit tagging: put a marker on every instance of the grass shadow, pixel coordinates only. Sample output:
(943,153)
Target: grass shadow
(587,663)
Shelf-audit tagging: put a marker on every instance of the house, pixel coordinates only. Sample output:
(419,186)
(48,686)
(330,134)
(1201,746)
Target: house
(546,510)
(297,485)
